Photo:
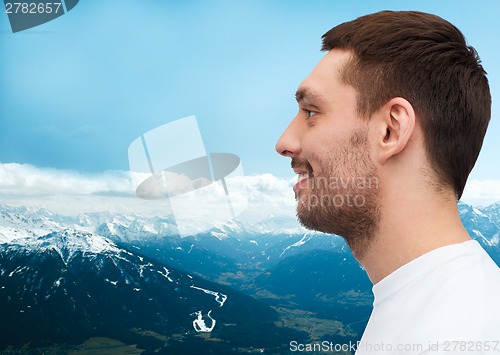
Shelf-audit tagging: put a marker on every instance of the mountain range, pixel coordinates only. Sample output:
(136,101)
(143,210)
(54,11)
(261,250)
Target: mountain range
(234,288)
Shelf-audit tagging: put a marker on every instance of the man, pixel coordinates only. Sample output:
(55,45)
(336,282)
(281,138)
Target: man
(390,124)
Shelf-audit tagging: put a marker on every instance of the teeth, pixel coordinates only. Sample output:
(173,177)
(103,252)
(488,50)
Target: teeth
(303,176)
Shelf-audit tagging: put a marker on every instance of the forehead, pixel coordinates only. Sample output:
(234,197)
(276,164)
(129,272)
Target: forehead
(325,79)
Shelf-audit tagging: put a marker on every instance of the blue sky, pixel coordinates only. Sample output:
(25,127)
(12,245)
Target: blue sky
(75,92)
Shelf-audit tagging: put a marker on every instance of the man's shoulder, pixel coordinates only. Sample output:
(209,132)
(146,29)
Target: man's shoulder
(469,276)
(462,295)
(458,297)
(474,265)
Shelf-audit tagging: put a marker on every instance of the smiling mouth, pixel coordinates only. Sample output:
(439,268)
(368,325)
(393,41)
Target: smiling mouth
(304,171)
(302,180)
(302,176)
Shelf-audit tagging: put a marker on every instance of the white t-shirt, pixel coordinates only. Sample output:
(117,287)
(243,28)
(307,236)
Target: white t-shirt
(444,302)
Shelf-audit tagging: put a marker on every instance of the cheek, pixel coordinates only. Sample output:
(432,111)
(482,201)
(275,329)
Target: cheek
(322,143)
(321,159)
(318,139)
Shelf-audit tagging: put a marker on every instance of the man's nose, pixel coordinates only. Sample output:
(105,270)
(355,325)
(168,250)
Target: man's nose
(288,144)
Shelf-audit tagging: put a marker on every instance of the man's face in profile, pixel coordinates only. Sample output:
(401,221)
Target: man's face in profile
(329,146)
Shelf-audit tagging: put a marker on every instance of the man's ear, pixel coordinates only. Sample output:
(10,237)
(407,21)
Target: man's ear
(395,125)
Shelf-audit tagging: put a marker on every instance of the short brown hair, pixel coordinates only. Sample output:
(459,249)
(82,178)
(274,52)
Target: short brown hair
(426,60)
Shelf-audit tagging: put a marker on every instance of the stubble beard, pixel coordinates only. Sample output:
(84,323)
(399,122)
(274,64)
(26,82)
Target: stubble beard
(337,201)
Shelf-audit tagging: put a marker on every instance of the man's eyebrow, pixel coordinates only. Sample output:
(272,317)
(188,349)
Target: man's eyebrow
(307,94)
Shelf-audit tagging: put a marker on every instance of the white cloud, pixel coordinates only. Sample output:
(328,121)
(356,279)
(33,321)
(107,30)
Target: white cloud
(70,192)
(481,192)
(27,180)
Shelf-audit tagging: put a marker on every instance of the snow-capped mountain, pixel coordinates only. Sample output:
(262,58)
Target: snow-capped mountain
(224,246)
(69,285)
(15,221)
(482,224)
(267,241)
(64,279)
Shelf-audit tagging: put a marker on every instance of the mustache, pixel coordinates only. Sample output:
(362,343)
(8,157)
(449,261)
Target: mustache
(301,164)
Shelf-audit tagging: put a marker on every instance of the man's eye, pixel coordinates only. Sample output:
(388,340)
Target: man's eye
(309,113)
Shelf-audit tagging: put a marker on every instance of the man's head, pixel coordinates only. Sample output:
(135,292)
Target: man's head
(396,89)
(426,60)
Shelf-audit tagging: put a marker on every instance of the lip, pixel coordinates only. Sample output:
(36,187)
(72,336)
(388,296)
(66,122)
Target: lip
(300,184)
(300,171)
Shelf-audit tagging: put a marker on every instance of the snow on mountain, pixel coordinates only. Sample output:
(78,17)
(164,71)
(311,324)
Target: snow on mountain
(222,249)
(301,242)
(18,222)
(21,222)
(67,243)
(97,254)
(74,247)
(279,224)
(482,224)
(69,285)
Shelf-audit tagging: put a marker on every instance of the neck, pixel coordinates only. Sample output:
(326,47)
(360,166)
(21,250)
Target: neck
(411,224)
